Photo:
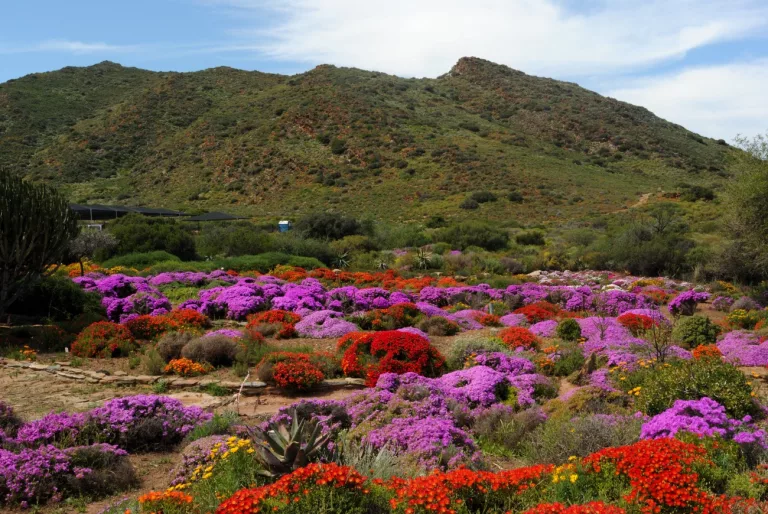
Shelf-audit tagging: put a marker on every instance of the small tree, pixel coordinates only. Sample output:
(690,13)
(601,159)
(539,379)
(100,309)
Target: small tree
(88,242)
(36,225)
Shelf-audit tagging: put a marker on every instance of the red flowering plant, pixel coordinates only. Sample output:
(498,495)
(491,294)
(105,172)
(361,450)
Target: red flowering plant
(517,337)
(488,320)
(539,311)
(468,491)
(297,375)
(188,320)
(336,488)
(147,327)
(187,368)
(389,351)
(104,339)
(636,323)
(587,508)
(296,371)
(279,323)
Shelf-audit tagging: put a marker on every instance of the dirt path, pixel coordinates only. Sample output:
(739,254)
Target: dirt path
(644,198)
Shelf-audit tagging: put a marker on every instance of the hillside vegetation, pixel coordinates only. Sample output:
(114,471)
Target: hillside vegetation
(360,142)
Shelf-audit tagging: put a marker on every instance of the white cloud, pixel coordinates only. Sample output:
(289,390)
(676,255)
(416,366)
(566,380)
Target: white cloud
(716,101)
(426,37)
(66,46)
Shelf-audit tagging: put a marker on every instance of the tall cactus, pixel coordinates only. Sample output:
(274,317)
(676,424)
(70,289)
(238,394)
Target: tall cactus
(36,225)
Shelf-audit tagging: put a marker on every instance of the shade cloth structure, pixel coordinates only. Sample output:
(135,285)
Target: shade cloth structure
(215,216)
(106,212)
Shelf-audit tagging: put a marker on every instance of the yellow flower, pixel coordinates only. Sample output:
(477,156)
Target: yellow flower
(574,478)
(207,476)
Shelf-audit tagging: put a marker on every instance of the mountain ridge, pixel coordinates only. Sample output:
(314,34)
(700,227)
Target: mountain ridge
(345,139)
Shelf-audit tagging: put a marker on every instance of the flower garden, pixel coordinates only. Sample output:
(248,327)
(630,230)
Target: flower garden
(559,392)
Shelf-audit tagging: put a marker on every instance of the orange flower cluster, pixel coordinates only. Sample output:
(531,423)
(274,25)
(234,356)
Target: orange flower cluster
(760,324)
(488,320)
(291,488)
(515,337)
(445,492)
(587,508)
(187,368)
(707,351)
(661,475)
(399,315)
(147,327)
(287,319)
(155,502)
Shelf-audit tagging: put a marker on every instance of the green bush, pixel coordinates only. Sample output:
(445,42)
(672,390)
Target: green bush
(137,233)
(515,197)
(328,226)
(465,346)
(469,204)
(569,362)
(57,298)
(483,196)
(473,233)
(692,380)
(568,330)
(695,331)
(534,238)
(215,350)
(232,240)
(439,326)
(562,437)
(141,260)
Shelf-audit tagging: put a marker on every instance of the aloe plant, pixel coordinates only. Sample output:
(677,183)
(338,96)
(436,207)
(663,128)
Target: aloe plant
(282,449)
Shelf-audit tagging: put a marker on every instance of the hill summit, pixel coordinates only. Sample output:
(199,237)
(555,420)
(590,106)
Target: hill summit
(345,139)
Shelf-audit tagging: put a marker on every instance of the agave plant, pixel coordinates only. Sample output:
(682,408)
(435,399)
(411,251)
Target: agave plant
(282,449)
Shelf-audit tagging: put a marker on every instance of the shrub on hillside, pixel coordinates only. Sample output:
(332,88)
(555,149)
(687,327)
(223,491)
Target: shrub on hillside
(695,330)
(328,226)
(215,350)
(104,339)
(483,196)
(466,346)
(232,240)
(439,326)
(468,204)
(473,233)
(170,345)
(534,238)
(515,197)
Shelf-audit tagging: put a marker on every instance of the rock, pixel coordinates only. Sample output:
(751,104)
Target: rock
(16,364)
(93,374)
(176,384)
(146,379)
(230,384)
(38,367)
(120,374)
(202,400)
(63,363)
(67,374)
(53,368)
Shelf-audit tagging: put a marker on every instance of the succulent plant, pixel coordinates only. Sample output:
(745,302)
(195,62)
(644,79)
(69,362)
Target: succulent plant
(282,449)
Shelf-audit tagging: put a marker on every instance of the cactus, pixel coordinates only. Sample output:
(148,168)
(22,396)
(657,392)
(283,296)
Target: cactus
(36,225)
(281,449)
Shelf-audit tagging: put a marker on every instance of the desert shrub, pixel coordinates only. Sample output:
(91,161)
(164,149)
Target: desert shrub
(469,204)
(515,197)
(501,428)
(153,362)
(559,438)
(439,326)
(110,473)
(215,350)
(104,339)
(692,380)
(570,361)
(568,330)
(137,233)
(9,421)
(328,226)
(533,238)
(745,303)
(56,298)
(170,345)
(589,400)
(465,346)
(483,196)
(473,233)
(693,193)
(695,330)
(140,260)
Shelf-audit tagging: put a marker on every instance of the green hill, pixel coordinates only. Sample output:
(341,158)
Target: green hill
(362,142)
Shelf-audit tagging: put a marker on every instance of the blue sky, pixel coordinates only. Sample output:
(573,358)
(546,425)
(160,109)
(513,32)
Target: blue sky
(703,64)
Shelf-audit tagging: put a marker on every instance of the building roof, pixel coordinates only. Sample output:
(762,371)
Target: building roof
(101,212)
